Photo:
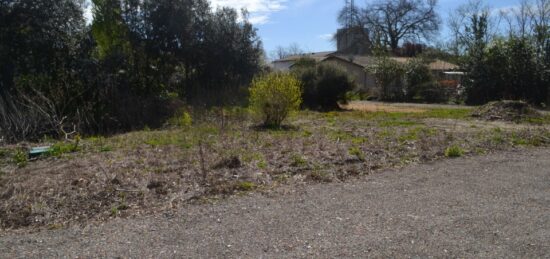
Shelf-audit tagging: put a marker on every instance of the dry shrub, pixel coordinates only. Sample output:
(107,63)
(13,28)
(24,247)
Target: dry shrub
(25,118)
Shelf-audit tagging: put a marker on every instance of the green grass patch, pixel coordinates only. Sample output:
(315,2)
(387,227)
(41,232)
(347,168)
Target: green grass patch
(544,120)
(438,113)
(398,123)
(386,133)
(183,138)
(454,151)
(163,140)
(535,141)
(246,186)
(21,158)
(61,148)
(100,144)
(339,135)
(359,140)
(307,133)
(356,152)
(457,114)
(498,139)
(414,134)
(4,153)
(105,149)
(262,164)
(298,160)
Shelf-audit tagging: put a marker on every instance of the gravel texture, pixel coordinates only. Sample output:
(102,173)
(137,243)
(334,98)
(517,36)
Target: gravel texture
(495,206)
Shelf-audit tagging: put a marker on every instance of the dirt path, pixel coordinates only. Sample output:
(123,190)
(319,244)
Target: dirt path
(494,206)
(372,106)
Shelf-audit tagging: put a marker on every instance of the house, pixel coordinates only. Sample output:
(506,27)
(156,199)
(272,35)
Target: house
(354,55)
(286,63)
(356,66)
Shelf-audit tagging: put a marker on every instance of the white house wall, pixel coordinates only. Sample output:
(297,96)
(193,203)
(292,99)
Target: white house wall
(282,66)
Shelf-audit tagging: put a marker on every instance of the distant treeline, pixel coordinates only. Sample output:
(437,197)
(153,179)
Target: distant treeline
(509,59)
(127,68)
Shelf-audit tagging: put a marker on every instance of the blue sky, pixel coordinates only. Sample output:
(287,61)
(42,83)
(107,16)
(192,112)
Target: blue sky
(309,23)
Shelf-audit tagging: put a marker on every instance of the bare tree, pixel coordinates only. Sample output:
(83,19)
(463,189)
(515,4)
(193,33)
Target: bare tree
(524,18)
(283,52)
(541,23)
(541,13)
(519,19)
(396,20)
(464,23)
(530,20)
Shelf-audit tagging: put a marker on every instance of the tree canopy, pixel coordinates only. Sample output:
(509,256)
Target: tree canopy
(124,69)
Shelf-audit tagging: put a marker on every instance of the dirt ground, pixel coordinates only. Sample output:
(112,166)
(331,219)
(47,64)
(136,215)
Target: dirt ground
(494,206)
(370,106)
(152,172)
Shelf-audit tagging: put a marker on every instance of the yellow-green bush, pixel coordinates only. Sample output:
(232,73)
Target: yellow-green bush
(20,158)
(274,96)
(181,119)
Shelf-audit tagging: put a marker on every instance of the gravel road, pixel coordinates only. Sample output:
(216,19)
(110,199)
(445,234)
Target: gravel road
(495,206)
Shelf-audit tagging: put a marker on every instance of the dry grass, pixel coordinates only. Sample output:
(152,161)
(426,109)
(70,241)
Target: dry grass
(380,107)
(147,172)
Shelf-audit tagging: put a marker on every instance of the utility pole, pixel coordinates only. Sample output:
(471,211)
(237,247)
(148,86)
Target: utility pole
(351,38)
(351,14)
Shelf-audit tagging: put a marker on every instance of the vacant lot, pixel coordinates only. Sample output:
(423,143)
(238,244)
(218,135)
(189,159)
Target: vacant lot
(493,206)
(223,153)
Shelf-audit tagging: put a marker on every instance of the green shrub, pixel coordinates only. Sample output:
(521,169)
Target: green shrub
(454,151)
(421,84)
(181,119)
(274,96)
(389,75)
(325,85)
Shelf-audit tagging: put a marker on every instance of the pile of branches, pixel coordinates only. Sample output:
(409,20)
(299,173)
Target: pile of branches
(26,119)
(514,111)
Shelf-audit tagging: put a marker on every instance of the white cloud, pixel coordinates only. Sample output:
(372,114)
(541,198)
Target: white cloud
(260,10)
(259,19)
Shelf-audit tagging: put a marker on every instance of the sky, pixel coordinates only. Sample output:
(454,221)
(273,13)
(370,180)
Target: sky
(311,23)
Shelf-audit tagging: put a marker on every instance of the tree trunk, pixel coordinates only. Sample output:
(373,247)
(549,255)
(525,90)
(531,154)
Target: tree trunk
(394,44)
